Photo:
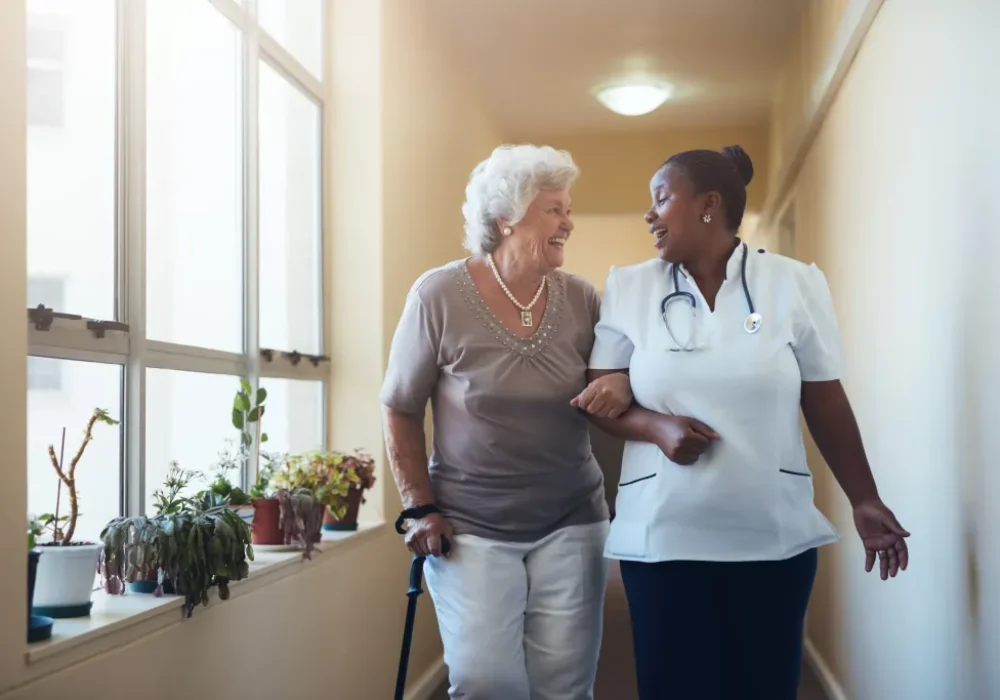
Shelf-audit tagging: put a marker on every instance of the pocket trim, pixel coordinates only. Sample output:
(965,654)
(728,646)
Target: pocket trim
(786,471)
(636,481)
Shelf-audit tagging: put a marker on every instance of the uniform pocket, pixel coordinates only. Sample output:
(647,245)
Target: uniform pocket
(636,481)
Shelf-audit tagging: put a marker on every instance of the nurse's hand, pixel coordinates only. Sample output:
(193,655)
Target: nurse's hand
(424,536)
(608,396)
(883,537)
(682,439)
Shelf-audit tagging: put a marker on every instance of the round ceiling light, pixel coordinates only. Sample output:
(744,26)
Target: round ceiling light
(634,99)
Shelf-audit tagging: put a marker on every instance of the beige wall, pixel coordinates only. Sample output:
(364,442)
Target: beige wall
(612,194)
(616,168)
(403,136)
(13,341)
(894,202)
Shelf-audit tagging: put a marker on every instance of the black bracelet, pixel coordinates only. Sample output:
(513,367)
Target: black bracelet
(414,513)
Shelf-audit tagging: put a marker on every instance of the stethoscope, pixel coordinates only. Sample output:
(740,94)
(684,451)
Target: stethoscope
(751,324)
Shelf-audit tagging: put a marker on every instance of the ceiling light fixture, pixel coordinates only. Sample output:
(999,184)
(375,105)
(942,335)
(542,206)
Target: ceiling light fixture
(634,98)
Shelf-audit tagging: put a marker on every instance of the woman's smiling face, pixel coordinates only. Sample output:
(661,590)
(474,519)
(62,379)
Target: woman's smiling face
(675,215)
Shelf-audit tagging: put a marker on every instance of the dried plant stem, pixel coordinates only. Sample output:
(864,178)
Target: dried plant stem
(69,478)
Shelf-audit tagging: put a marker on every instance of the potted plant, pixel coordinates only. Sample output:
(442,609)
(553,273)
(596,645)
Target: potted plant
(304,490)
(231,460)
(199,544)
(358,471)
(138,535)
(247,417)
(65,575)
(39,627)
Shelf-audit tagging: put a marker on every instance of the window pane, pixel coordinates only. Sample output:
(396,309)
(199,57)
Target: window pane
(298,26)
(83,387)
(188,420)
(194,233)
(71,150)
(290,249)
(293,415)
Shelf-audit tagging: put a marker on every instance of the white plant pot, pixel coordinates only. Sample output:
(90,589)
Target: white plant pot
(65,580)
(244,512)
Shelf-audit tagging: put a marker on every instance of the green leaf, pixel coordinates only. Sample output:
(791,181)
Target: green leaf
(246,439)
(237,419)
(241,402)
(263,437)
(245,385)
(261,395)
(254,415)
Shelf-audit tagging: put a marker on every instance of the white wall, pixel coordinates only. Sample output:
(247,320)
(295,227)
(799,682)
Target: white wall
(897,203)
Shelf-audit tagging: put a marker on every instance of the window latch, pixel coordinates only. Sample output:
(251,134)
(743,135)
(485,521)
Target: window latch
(42,316)
(99,328)
(294,357)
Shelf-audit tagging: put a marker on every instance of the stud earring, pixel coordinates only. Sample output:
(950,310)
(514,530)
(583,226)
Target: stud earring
(707,218)
(507,231)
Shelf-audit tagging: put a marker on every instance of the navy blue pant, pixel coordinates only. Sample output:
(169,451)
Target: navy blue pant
(719,630)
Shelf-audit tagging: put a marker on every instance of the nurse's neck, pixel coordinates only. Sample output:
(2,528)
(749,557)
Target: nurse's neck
(708,267)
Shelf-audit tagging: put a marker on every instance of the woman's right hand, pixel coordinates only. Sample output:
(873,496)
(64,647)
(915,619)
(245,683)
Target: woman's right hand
(682,439)
(425,536)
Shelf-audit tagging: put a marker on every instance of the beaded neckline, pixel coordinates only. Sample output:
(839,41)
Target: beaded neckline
(547,327)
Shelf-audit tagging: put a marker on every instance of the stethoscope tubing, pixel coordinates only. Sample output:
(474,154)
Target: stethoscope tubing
(678,294)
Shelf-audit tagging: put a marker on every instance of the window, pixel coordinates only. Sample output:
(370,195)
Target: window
(194,181)
(45,54)
(298,26)
(174,226)
(45,375)
(86,386)
(290,227)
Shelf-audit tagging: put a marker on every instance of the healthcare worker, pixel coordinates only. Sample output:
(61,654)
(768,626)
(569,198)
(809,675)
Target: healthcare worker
(715,523)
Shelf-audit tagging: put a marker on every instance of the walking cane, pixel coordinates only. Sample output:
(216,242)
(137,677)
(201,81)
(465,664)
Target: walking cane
(413,592)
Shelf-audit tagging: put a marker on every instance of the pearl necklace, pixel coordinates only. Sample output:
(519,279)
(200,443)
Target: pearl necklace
(526,319)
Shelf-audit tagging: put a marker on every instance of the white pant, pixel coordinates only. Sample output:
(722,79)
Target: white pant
(522,621)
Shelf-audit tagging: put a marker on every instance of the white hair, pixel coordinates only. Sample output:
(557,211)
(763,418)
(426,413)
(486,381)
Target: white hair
(503,186)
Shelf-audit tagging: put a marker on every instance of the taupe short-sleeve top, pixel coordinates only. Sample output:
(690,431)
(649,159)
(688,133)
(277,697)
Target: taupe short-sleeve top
(511,458)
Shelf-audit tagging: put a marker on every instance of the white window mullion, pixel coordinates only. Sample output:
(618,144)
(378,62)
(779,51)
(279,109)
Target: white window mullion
(251,229)
(282,61)
(187,358)
(132,237)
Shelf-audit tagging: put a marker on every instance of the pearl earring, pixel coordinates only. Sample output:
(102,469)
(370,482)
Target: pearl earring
(707,218)
(507,231)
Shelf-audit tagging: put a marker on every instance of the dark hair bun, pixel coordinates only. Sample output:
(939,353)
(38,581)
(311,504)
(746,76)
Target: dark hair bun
(741,160)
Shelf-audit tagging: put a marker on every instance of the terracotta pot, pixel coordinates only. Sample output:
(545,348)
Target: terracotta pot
(350,519)
(266,525)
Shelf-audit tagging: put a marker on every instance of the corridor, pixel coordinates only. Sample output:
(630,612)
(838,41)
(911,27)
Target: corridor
(209,205)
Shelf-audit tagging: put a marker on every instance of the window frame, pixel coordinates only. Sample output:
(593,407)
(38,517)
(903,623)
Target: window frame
(123,341)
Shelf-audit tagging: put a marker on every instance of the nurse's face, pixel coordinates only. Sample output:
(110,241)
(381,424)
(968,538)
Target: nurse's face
(675,217)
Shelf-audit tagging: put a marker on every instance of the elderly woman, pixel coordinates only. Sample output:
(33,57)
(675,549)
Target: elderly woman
(499,343)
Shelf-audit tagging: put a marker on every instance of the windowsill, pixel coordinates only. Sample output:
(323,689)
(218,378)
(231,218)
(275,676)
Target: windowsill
(119,619)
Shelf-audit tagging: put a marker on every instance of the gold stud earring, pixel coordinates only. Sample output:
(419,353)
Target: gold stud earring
(707,218)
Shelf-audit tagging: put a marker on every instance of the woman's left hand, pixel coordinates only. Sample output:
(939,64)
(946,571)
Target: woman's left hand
(883,537)
(606,397)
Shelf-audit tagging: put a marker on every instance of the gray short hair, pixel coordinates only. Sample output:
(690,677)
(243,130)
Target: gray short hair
(504,185)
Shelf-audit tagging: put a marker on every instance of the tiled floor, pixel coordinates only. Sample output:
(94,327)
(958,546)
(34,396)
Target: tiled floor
(615,675)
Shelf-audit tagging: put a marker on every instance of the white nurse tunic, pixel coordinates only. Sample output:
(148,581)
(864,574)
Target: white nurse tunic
(749,497)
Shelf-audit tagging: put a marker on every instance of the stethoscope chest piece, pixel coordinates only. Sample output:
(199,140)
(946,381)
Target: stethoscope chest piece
(752,323)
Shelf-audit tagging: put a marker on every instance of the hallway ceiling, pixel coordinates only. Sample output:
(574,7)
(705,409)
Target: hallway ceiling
(537,62)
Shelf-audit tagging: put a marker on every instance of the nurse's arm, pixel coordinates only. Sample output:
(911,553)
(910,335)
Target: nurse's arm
(406,445)
(831,421)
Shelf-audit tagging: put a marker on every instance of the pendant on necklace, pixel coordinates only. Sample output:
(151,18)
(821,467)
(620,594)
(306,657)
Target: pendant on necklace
(526,319)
